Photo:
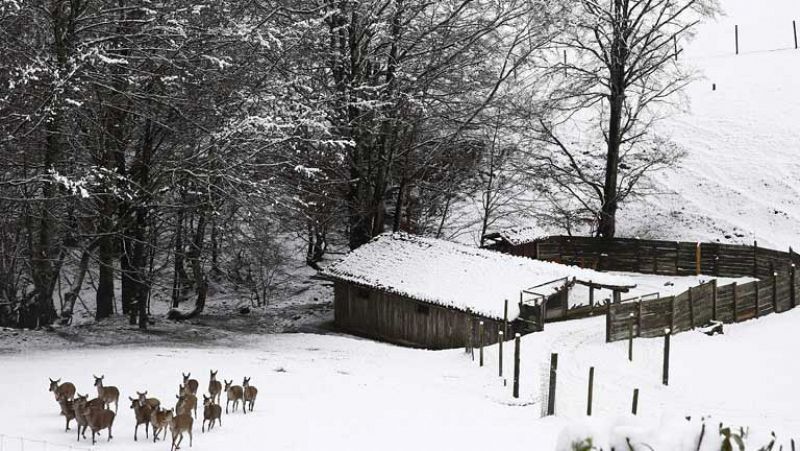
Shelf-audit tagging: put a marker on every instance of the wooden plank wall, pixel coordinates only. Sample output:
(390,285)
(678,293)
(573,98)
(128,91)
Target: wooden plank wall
(775,291)
(397,319)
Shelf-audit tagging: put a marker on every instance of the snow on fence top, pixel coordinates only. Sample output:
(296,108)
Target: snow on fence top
(451,274)
(516,236)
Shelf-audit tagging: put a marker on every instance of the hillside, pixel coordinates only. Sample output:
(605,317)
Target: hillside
(740,179)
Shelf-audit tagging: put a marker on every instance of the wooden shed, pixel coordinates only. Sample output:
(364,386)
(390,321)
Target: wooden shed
(431,293)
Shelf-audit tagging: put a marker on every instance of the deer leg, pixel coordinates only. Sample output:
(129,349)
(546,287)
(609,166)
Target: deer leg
(190,438)
(226,405)
(109,434)
(203,428)
(135,431)
(146,430)
(93,437)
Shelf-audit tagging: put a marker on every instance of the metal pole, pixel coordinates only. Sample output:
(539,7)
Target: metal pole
(480,341)
(516,366)
(500,338)
(591,388)
(736,30)
(635,405)
(665,373)
(630,339)
(551,393)
(794,28)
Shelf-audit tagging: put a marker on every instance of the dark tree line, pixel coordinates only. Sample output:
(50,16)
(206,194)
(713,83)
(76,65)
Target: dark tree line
(157,146)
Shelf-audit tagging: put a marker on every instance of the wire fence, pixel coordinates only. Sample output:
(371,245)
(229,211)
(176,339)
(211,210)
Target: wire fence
(12,443)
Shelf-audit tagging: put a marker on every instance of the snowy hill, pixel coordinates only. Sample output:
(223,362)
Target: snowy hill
(740,179)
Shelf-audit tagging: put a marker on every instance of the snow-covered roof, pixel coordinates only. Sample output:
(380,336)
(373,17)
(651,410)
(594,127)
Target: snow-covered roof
(451,274)
(516,236)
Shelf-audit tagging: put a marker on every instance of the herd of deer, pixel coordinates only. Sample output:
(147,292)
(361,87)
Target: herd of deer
(97,415)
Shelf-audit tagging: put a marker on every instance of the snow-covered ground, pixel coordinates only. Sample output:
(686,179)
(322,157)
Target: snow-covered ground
(332,392)
(740,179)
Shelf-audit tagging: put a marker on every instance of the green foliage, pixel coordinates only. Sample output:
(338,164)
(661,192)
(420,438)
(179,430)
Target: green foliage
(586,444)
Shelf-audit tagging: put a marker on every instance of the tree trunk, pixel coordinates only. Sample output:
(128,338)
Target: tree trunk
(606,227)
(105,284)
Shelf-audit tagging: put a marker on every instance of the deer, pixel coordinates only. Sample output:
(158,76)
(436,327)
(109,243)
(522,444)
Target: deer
(67,409)
(107,394)
(81,405)
(142,412)
(159,420)
(211,413)
(178,425)
(65,390)
(235,394)
(153,403)
(187,403)
(97,419)
(214,386)
(191,383)
(250,394)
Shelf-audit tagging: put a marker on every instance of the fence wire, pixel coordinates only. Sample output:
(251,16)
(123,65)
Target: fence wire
(12,443)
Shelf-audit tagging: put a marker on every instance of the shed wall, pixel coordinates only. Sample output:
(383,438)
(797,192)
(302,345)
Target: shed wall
(397,319)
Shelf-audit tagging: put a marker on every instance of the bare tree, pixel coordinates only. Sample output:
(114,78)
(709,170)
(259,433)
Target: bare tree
(619,72)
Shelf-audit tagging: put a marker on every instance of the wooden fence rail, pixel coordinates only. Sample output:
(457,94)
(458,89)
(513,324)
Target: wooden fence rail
(774,291)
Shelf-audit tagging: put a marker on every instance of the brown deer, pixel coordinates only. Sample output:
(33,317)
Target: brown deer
(187,403)
(153,403)
(191,383)
(81,405)
(159,420)
(235,394)
(250,394)
(67,409)
(214,387)
(65,390)
(142,412)
(178,425)
(211,413)
(107,394)
(98,419)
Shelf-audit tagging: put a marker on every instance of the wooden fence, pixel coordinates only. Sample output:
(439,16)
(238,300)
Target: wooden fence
(773,292)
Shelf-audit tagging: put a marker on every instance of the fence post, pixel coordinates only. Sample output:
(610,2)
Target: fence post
(591,388)
(697,259)
(565,297)
(630,338)
(665,368)
(734,295)
(672,313)
(691,309)
(794,28)
(758,307)
(467,337)
(792,288)
(639,320)
(635,405)
(608,322)
(480,342)
(551,392)
(505,317)
(500,339)
(591,294)
(516,366)
(755,259)
(736,31)
(775,292)
(714,292)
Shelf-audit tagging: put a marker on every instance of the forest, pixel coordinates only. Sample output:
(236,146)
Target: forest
(170,144)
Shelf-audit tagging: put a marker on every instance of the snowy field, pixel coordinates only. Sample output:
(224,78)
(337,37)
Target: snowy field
(330,392)
(740,179)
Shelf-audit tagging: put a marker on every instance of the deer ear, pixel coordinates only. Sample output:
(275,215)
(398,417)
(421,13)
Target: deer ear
(131,398)
(177,396)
